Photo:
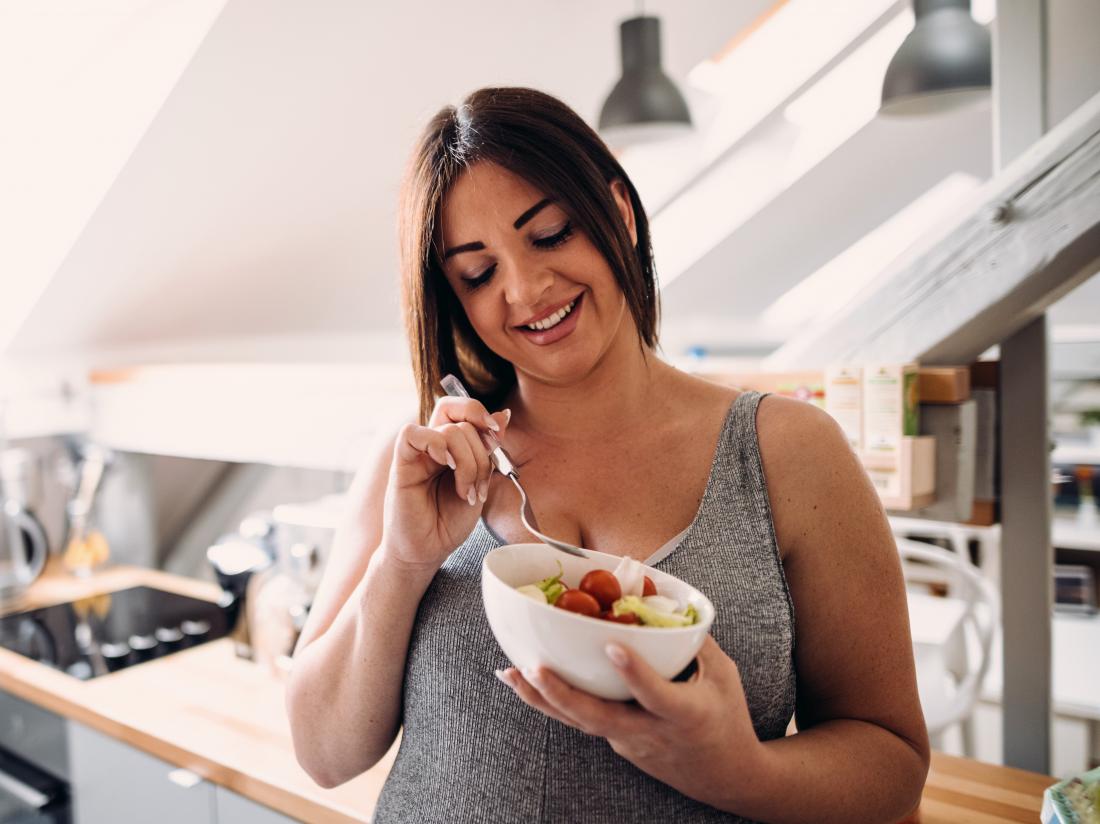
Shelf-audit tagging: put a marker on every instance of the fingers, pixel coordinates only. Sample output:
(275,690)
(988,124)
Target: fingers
(472,467)
(414,441)
(549,694)
(657,694)
(459,410)
(531,696)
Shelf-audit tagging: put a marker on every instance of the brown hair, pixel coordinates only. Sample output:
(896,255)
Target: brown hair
(543,141)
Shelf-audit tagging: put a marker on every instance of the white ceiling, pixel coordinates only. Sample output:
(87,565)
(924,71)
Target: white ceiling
(260,202)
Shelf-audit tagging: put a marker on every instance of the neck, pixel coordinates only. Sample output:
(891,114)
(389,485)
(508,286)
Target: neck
(621,390)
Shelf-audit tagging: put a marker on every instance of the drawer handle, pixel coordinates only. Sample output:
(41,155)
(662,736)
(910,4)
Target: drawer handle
(184,778)
(24,792)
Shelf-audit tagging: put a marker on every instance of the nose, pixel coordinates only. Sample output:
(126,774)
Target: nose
(525,286)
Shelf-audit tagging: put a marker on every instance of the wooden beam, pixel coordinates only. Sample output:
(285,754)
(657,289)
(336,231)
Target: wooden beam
(1019,102)
(1025,239)
(1027,580)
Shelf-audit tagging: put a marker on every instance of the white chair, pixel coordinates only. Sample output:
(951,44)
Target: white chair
(952,636)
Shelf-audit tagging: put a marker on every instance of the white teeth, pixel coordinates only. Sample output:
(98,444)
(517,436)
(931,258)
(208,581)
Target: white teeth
(553,320)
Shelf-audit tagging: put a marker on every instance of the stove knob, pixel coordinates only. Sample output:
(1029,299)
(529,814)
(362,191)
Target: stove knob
(80,669)
(169,638)
(115,655)
(195,632)
(144,647)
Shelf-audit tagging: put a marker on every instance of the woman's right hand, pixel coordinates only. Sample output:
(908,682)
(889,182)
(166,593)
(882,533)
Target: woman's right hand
(438,482)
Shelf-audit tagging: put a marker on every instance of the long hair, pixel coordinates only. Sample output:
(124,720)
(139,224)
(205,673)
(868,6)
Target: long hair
(538,138)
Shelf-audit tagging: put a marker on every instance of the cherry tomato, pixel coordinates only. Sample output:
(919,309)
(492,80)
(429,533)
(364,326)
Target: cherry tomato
(648,587)
(625,618)
(603,586)
(575,600)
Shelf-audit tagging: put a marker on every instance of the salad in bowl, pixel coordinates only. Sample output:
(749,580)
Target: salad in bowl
(559,611)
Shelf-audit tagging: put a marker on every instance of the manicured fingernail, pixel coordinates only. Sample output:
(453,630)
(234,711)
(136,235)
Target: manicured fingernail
(507,416)
(489,422)
(471,496)
(503,677)
(616,653)
(450,460)
(483,490)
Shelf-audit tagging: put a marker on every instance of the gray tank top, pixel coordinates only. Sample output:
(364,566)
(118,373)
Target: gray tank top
(471,751)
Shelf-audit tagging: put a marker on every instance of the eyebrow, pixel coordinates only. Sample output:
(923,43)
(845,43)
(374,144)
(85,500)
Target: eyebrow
(519,223)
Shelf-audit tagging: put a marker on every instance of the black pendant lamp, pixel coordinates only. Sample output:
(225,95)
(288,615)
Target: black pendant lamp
(945,62)
(645,104)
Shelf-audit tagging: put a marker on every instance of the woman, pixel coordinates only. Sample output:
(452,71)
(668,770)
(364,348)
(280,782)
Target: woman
(528,273)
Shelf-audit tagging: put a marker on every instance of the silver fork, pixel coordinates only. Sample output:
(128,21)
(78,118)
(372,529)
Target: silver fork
(504,465)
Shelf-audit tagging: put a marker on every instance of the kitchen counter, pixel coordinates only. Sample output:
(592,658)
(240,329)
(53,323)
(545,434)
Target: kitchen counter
(202,709)
(223,718)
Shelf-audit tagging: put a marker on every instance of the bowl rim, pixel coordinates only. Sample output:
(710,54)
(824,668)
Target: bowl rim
(629,628)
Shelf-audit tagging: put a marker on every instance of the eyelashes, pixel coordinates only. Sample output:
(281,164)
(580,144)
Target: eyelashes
(557,239)
(545,243)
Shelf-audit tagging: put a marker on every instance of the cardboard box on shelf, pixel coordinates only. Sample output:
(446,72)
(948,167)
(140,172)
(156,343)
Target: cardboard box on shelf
(944,384)
(908,481)
(844,401)
(984,513)
(985,459)
(985,374)
(890,406)
(954,426)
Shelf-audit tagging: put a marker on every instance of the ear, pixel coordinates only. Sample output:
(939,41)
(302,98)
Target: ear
(626,208)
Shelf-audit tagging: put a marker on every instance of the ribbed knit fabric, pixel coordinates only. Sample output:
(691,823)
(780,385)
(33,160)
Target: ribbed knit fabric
(471,751)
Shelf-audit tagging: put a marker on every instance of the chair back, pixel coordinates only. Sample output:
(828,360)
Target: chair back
(926,563)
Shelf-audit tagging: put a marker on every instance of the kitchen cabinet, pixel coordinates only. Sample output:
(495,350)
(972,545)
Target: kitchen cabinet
(236,809)
(36,735)
(112,781)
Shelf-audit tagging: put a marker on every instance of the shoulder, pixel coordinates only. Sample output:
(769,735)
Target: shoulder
(791,430)
(809,469)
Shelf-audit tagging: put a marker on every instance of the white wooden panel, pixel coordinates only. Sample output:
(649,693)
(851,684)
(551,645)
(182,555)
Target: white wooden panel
(112,781)
(236,809)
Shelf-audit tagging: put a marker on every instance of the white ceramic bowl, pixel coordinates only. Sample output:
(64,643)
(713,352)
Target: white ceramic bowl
(572,645)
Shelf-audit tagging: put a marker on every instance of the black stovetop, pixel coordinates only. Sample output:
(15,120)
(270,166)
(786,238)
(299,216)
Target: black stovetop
(108,632)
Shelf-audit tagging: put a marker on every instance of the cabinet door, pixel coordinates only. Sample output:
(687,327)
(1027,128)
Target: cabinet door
(236,809)
(34,734)
(114,782)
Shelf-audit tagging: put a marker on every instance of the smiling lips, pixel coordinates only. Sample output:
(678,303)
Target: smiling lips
(553,319)
(555,326)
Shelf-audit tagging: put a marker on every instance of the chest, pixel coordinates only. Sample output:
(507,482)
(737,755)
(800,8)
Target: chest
(626,500)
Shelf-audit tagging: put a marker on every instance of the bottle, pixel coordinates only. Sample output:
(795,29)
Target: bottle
(278,604)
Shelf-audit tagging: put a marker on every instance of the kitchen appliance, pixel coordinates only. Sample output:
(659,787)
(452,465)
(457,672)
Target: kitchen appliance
(235,560)
(23,542)
(94,636)
(85,546)
(30,795)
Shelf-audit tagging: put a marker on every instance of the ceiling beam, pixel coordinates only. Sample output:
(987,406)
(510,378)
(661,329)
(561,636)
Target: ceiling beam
(1023,241)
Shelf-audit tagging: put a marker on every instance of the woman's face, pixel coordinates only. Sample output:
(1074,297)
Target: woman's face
(534,287)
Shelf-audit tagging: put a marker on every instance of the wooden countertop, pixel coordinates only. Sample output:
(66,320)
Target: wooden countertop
(203,709)
(223,718)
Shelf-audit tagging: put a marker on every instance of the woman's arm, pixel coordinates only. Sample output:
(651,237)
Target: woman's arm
(861,748)
(416,501)
(344,694)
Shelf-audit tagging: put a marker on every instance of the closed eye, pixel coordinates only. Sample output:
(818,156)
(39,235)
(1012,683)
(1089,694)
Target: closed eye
(479,280)
(550,242)
(556,239)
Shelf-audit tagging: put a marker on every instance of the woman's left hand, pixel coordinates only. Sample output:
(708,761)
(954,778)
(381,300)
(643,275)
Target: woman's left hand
(694,735)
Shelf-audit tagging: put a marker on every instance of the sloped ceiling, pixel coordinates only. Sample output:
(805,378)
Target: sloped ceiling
(260,201)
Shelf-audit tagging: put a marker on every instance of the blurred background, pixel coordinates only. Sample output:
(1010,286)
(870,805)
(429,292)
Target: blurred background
(198,268)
